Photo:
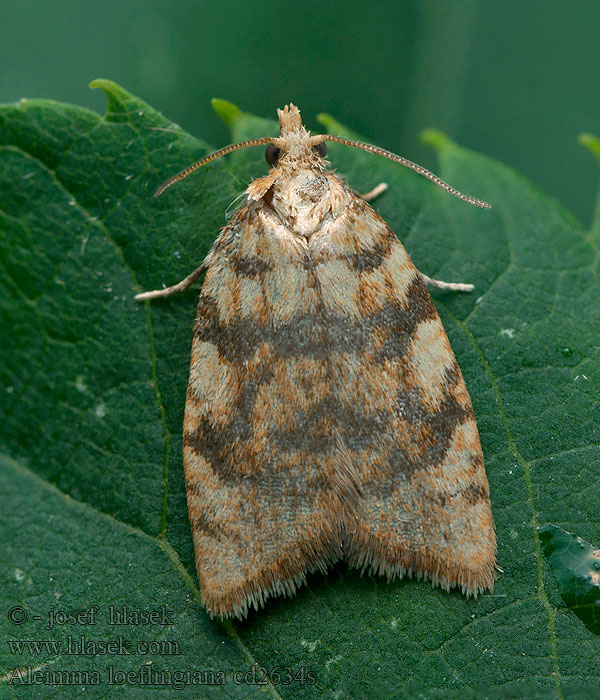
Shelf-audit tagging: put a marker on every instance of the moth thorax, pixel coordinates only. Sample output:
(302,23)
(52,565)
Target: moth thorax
(303,190)
(308,200)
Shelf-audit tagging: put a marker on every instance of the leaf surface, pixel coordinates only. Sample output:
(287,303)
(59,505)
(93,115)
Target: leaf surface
(92,391)
(576,567)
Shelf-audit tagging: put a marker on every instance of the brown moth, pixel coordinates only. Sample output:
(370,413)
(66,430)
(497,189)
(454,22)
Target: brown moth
(326,415)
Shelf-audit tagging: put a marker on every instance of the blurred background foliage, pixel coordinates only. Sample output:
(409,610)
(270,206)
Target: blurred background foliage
(516,80)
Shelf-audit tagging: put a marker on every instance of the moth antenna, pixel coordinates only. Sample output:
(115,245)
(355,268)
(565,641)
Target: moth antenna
(213,156)
(403,161)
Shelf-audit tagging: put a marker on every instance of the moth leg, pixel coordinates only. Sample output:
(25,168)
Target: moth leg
(179,287)
(375,192)
(453,286)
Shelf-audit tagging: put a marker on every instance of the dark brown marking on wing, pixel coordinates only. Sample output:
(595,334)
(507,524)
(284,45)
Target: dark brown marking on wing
(210,527)
(314,432)
(475,493)
(368,259)
(316,334)
(236,341)
(251,266)
(400,323)
(436,428)
(214,443)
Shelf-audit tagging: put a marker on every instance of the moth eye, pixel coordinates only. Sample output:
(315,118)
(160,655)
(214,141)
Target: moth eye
(321,149)
(272,154)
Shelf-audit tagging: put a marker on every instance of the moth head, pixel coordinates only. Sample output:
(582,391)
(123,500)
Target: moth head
(295,148)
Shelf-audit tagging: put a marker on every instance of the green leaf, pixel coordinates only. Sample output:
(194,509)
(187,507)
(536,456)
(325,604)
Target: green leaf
(68,556)
(592,143)
(228,112)
(92,391)
(576,567)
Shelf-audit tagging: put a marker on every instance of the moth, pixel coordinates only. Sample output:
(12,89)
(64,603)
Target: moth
(326,415)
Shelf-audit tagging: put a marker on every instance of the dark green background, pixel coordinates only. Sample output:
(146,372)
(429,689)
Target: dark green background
(515,80)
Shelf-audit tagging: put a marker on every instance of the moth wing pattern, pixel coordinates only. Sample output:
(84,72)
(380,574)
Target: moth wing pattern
(262,491)
(326,415)
(425,509)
